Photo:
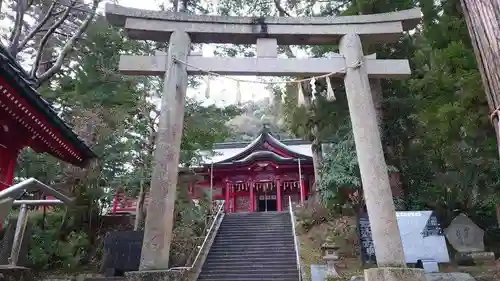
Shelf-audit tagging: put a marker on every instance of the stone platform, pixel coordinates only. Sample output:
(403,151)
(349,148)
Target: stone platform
(410,274)
(15,273)
(153,275)
(394,274)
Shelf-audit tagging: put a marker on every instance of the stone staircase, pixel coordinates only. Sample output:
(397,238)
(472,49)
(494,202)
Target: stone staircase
(251,247)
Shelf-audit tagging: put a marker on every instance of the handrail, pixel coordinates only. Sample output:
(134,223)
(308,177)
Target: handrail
(295,239)
(15,191)
(46,202)
(220,211)
(31,184)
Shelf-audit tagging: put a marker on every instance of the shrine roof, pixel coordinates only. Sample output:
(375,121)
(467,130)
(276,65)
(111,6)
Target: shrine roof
(262,147)
(33,113)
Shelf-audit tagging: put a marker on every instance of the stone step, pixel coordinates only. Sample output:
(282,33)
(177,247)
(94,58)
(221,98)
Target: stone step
(264,271)
(282,225)
(249,248)
(255,275)
(250,263)
(248,242)
(249,278)
(251,241)
(104,279)
(253,250)
(257,221)
(252,247)
(248,256)
(256,214)
(242,268)
(255,233)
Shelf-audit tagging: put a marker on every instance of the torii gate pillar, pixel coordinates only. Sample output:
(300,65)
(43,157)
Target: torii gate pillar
(372,166)
(373,169)
(160,213)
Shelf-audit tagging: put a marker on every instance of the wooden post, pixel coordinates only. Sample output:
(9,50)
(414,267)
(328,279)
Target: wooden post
(160,213)
(374,176)
(279,195)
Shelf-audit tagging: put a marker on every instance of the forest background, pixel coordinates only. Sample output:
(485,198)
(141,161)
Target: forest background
(435,125)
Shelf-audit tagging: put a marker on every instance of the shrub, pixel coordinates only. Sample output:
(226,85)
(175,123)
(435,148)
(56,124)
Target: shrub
(50,248)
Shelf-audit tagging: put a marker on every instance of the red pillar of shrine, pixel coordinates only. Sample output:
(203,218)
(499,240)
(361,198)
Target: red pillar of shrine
(11,169)
(228,197)
(252,196)
(8,163)
(233,197)
(279,195)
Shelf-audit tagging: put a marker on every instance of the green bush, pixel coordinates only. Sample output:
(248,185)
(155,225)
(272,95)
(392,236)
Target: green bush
(50,245)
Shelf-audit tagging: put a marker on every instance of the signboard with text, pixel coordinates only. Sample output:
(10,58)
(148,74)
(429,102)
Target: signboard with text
(421,235)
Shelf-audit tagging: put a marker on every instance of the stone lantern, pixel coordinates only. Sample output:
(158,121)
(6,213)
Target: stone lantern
(331,257)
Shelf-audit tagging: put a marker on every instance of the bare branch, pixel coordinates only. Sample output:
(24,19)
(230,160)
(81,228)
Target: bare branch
(282,13)
(68,47)
(46,37)
(281,10)
(18,27)
(37,28)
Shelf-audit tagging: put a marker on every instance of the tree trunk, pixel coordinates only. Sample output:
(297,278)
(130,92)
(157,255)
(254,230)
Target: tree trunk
(483,21)
(140,211)
(317,151)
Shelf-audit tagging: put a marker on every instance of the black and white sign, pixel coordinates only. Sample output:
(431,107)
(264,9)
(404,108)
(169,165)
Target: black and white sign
(421,235)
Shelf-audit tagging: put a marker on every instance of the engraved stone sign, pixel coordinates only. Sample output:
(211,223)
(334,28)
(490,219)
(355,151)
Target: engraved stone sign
(464,235)
(421,235)
(122,251)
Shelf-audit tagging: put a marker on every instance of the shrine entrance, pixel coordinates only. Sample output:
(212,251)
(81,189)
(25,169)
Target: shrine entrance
(359,72)
(267,203)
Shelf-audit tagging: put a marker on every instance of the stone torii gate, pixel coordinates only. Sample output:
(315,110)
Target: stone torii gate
(349,32)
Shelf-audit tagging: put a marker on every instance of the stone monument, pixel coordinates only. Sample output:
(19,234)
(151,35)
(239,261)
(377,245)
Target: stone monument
(349,32)
(468,240)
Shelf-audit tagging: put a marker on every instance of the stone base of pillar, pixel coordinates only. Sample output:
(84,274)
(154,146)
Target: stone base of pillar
(153,275)
(394,274)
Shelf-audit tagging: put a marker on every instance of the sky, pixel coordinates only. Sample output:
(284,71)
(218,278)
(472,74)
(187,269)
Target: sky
(222,91)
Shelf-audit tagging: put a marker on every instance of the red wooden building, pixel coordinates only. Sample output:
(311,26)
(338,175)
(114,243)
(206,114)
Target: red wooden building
(257,176)
(253,177)
(27,120)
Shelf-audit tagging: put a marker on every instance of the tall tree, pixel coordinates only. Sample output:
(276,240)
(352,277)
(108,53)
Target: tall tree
(48,31)
(483,22)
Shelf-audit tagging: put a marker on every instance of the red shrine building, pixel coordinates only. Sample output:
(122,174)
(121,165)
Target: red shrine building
(27,120)
(259,176)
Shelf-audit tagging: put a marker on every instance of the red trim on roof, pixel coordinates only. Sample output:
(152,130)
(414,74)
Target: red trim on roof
(42,135)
